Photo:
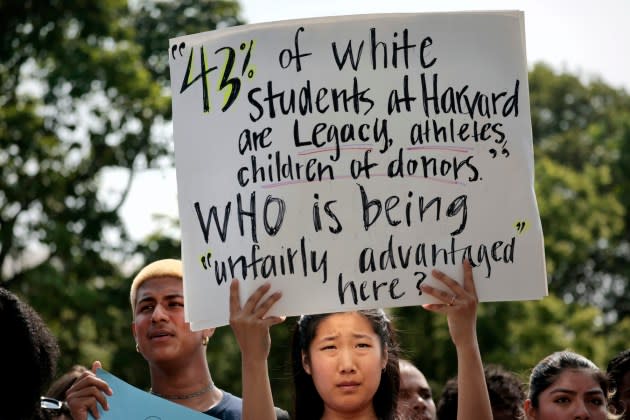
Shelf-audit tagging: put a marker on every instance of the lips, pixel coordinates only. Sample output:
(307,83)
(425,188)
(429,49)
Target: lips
(160,334)
(348,385)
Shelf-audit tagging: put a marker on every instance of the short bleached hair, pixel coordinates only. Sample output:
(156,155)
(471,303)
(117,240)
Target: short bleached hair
(160,268)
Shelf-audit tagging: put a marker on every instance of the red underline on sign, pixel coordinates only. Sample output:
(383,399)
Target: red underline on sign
(328,149)
(445,148)
(303,181)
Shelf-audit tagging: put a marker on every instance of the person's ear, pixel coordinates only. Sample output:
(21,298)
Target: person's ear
(135,336)
(306,364)
(530,411)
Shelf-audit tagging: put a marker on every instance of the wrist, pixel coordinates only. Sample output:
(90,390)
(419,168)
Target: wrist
(253,363)
(467,345)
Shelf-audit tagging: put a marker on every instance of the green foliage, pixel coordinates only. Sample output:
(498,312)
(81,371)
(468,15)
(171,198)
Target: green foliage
(581,139)
(84,91)
(514,334)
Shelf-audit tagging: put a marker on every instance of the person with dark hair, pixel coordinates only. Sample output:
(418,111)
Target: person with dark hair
(176,355)
(619,374)
(29,356)
(345,364)
(314,368)
(415,399)
(507,395)
(566,385)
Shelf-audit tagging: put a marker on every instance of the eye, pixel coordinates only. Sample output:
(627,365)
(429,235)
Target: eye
(328,347)
(426,395)
(146,308)
(597,401)
(364,345)
(175,304)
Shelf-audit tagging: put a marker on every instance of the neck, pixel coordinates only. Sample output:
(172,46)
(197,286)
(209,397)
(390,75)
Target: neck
(190,380)
(366,413)
(198,393)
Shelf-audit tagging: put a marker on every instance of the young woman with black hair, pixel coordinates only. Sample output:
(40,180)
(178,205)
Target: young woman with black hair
(345,364)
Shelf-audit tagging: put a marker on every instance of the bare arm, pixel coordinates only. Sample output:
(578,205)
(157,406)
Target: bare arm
(251,329)
(460,306)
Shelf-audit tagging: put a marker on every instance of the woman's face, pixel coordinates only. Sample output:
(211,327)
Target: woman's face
(345,360)
(574,395)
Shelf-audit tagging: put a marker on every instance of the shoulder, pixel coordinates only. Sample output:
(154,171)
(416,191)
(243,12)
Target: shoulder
(229,408)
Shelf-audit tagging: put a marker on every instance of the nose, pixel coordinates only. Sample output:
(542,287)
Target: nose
(346,361)
(581,412)
(159,314)
(418,403)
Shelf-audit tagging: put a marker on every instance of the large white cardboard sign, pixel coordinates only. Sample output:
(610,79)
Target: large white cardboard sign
(342,159)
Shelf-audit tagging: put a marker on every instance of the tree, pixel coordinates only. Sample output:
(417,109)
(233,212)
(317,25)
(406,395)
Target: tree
(82,93)
(515,335)
(581,136)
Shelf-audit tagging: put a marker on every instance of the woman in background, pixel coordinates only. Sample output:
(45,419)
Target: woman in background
(566,385)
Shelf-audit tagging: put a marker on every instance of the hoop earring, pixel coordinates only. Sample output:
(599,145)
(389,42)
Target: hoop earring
(204,341)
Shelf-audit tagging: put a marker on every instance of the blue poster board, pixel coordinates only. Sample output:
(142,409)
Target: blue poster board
(131,403)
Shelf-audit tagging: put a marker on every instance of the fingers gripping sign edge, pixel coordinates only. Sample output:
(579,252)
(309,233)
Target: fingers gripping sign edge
(235,297)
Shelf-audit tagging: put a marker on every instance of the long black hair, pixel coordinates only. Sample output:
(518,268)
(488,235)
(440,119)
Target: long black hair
(308,404)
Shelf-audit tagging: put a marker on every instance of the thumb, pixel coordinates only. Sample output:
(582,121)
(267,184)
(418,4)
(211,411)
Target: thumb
(274,320)
(96,365)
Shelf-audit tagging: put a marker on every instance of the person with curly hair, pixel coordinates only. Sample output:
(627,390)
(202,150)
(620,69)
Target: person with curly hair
(28,359)
(507,395)
(618,371)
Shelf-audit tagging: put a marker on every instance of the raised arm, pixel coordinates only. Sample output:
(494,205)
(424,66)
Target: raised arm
(251,329)
(460,306)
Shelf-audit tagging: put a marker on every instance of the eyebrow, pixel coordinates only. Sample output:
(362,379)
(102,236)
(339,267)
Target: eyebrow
(572,392)
(354,335)
(152,298)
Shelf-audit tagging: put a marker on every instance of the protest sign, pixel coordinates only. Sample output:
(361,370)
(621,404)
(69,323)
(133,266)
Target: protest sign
(343,158)
(130,403)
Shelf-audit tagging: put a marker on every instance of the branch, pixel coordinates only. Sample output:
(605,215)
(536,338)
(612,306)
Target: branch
(123,197)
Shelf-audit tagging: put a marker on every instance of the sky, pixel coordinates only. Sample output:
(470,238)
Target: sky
(584,37)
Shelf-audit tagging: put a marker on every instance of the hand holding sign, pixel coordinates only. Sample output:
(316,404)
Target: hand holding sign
(362,153)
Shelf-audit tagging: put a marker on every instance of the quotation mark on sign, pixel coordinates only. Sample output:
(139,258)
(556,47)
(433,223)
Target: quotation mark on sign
(521,226)
(205,259)
(179,48)
(504,151)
